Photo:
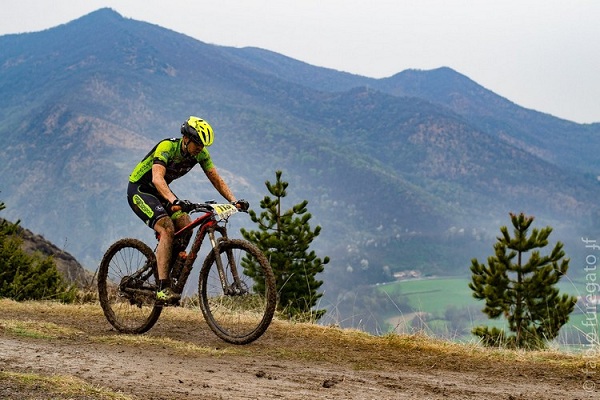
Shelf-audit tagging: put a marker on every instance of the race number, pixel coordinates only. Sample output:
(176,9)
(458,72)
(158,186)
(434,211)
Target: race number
(224,211)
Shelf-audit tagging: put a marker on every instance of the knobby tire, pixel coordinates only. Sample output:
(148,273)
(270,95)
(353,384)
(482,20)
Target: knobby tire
(243,317)
(133,309)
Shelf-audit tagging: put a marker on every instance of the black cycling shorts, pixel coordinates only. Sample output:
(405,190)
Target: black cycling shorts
(146,203)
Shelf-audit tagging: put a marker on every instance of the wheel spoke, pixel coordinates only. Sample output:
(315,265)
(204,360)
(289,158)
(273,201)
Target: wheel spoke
(126,286)
(242,311)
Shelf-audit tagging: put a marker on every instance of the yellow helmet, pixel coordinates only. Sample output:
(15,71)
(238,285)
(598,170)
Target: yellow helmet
(198,130)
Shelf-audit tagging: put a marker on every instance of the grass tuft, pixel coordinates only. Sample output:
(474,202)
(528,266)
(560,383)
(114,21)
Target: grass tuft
(56,386)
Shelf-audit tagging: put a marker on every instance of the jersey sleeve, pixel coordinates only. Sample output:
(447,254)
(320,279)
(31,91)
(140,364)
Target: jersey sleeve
(163,153)
(204,160)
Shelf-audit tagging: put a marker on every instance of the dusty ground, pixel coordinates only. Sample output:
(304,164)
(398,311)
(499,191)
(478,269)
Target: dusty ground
(181,359)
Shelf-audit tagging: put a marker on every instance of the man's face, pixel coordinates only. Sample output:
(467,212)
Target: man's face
(194,148)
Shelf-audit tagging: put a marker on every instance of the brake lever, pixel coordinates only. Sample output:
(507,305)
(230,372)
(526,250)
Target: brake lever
(200,207)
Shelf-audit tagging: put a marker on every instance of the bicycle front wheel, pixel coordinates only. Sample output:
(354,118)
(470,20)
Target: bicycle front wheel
(127,280)
(237,291)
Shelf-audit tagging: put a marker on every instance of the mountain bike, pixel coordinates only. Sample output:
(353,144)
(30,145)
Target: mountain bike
(236,287)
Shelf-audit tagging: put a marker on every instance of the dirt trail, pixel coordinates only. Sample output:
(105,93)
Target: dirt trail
(181,359)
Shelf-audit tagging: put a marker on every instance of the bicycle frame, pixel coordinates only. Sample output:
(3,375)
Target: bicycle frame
(208,226)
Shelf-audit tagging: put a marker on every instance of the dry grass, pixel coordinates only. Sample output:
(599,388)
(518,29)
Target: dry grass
(53,387)
(167,342)
(43,307)
(427,346)
(36,329)
(285,341)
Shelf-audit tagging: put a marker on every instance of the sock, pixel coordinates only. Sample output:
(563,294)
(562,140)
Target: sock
(163,284)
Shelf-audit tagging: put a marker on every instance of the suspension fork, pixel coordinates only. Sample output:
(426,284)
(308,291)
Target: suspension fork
(234,287)
(214,242)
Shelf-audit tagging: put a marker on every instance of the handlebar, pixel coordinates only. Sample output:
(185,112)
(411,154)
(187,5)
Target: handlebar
(201,207)
(208,207)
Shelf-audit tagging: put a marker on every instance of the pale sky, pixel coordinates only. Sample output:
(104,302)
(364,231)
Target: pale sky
(540,54)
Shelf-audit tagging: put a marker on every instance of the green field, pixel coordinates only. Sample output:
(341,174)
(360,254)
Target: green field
(430,300)
(434,295)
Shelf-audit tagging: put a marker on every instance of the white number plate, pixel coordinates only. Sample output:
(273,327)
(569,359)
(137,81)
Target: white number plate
(224,211)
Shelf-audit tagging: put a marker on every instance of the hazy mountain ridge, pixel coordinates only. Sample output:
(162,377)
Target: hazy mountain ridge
(399,162)
(489,112)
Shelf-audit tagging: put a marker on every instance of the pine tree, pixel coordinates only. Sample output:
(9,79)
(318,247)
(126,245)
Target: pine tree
(523,292)
(6,227)
(28,277)
(285,238)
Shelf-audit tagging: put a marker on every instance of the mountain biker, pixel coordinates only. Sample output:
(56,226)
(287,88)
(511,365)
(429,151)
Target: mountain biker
(152,200)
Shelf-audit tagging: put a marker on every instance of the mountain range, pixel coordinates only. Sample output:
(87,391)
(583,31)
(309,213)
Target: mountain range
(416,171)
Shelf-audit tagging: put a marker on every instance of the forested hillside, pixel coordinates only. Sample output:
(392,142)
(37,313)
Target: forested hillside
(413,172)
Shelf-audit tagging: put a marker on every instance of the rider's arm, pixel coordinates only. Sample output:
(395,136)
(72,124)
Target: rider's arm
(219,184)
(158,180)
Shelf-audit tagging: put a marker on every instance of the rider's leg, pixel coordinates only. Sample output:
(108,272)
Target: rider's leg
(166,229)
(147,205)
(181,220)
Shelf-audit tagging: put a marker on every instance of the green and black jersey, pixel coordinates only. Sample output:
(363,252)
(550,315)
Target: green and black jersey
(168,153)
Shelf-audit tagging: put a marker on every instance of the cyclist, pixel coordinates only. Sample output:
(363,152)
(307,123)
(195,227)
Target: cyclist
(152,200)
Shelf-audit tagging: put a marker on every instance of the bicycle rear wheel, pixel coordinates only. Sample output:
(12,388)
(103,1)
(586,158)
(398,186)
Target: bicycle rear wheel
(240,309)
(127,282)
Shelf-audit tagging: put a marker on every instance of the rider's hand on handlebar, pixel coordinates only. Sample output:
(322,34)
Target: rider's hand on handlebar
(181,205)
(242,205)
